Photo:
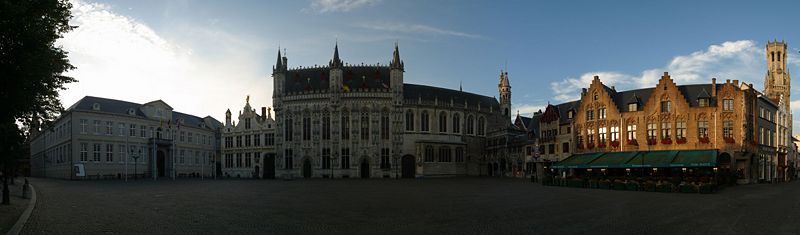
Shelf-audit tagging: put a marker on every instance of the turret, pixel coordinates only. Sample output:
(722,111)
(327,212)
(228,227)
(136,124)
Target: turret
(777,82)
(396,75)
(335,76)
(228,117)
(504,87)
(279,75)
(336,62)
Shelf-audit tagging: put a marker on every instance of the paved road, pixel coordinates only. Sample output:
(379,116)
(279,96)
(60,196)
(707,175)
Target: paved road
(431,206)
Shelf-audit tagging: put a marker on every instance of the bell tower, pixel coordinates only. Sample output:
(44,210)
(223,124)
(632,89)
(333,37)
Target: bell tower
(504,88)
(777,83)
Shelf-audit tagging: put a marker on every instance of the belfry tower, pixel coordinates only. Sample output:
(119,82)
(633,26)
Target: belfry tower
(777,84)
(504,87)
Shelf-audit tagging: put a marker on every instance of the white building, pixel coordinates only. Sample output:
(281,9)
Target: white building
(248,148)
(99,138)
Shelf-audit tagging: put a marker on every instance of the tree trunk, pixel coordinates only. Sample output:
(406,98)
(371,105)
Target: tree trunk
(6,199)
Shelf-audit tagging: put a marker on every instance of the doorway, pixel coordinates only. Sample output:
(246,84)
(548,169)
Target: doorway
(161,162)
(269,167)
(307,168)
(364,168)
(408,166)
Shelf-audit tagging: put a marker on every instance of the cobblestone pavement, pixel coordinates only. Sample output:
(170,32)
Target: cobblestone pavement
(430,206)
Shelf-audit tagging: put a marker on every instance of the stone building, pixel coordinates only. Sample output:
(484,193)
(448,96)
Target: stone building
(355,120)
(248,144)
(105,138)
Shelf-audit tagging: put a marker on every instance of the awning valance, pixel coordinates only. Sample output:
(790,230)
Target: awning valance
(641,159)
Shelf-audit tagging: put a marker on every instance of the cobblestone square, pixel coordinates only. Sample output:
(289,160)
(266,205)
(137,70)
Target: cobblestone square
(429,206)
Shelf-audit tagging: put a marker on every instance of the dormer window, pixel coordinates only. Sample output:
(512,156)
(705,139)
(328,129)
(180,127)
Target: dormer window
(570,114)
(666,106)
(95,106)
(131,111)
(594,97)
(702,102)
(633,107)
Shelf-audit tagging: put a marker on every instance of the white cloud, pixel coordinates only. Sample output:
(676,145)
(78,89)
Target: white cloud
(526,110)
(740,60)
(414,28)
(122,58)
(326,6)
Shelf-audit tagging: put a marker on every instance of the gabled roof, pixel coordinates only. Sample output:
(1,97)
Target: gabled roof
(122,107)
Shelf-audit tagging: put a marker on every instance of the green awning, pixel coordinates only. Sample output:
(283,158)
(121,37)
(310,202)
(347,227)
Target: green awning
(641,159)
(614,160)
(577,161)
(653,159)
(695,158)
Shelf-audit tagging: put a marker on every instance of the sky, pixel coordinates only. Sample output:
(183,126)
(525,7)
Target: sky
(204,57)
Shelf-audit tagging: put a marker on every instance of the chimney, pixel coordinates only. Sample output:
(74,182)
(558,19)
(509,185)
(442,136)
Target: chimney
(263,113)
(735,82)
(714,87)
(727,81)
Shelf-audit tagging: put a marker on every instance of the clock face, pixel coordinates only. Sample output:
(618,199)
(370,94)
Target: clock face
(780,70)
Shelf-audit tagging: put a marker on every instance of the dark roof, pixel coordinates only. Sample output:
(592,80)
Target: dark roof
(430,93)
(566,107)
(354,77)
(122,107)
(533,125)
(690,92)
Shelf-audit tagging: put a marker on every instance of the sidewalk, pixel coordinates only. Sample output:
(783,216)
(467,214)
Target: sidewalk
(10,213)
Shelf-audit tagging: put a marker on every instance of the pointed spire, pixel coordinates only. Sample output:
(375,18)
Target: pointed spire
(396,62)
(336,62)
(460,87)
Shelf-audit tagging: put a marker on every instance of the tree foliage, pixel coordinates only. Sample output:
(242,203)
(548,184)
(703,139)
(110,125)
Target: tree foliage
(31,66)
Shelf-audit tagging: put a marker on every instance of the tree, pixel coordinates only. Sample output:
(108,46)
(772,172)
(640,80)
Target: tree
(31,68)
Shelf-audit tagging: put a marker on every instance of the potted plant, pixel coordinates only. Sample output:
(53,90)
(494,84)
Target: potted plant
(633,142)
(651,141)
(705,140)
(601,145)
(615,143)
(681,140)
(590,146)
(666,141)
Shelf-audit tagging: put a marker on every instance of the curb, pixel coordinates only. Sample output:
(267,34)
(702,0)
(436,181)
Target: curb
(25,215)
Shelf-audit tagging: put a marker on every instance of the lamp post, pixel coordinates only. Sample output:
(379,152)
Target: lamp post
(135,165)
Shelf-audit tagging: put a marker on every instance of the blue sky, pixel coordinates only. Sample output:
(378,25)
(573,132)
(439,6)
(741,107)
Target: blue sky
(204,57)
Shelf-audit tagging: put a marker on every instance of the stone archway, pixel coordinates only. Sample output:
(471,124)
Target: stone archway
(408,166)
(364,168)
(269,166)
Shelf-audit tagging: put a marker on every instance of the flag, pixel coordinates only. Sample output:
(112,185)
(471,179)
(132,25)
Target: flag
(385,86)
(346,88)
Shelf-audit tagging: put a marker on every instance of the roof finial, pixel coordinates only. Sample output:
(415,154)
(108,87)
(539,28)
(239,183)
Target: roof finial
(460,88)
(247,99)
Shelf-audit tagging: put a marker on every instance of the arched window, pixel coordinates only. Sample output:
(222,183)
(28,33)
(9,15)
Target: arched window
(442,122)
(409,120)
(385,126)
(423,121)
(481,126)
(470,125)
(456,123)
(365,125)
(326,125)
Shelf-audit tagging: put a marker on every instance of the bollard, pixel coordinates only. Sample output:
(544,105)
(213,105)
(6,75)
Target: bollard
(26,190)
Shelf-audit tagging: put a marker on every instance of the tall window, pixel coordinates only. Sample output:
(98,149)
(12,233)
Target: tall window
(590,136)
(84,122)
(96,152)
(238,160)
(132,130)
(456,123)
(190,137)
(288,159)
(84,152)
(602,135)
(345,126)
(589,115)
(247,123)
(109,128)
(666,130)
(727,105)
(385,164)
(429,154)
(481,126)
(445,155)
(601,113)
(651,131)
(109,152)
(306,128)
(409,120)
(96,127)
(565,147)
(247,160)
(288,132)
(365,126)
(423,121)
(442,122)
(702,129)
(666,106)
(680,130)
(269,139)
(246,140)
(121,129)
(727,128)
(345,163)
(702,102)
(238,141)
(614,133)
(256,140)
(385,126)
(326,158)
(459,154)
(631,131)
(142,131)
(326,126)
(470,125)
(182,157)
(121,152)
